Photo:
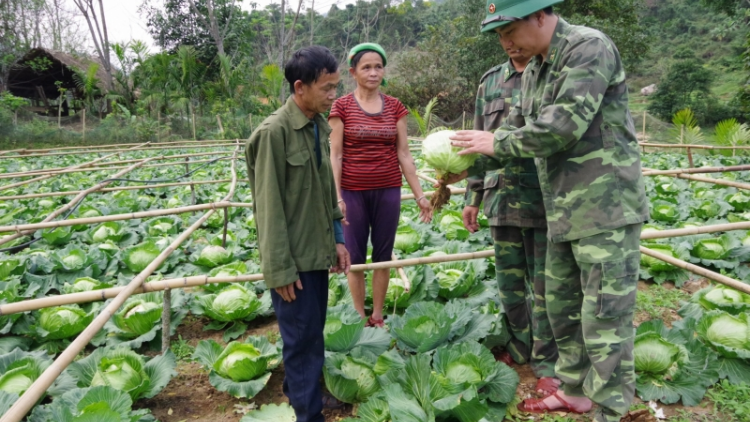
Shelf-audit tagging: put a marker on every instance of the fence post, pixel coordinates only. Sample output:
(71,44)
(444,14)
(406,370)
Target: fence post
(83,134)
(192,186)
(15,118)
(194,138)
(221,127)
(251,122)
(463,120)
(644,129)
(690,157)
(166,319)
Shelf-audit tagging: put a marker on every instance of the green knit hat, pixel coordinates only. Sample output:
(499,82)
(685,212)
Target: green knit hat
(367,46)
(503,12)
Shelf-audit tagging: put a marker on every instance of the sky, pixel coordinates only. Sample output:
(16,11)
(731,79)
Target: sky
(124,23)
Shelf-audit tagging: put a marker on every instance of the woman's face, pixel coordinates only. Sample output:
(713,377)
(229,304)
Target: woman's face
(369,71)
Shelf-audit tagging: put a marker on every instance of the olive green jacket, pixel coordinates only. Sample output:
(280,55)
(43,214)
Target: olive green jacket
(511,195)
(294,200)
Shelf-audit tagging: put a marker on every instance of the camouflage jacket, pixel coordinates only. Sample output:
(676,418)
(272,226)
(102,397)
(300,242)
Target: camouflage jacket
(511,195)
(580,132)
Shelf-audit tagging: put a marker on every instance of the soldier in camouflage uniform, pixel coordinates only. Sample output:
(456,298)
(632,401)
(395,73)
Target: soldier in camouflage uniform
(574,102)
(514,207)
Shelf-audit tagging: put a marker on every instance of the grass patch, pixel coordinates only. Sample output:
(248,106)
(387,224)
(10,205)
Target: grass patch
(658,302)
(732,401)
(182,349)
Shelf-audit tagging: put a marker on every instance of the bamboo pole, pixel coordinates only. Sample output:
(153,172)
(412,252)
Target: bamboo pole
(693,146)
(696,170)
(221,127)
(62,170)
(194,281)
(120,188)
(83,133)
(402,274)
(91,169)
(22,406)
(113,146)
(37,179)
(192,185)
(690,231)
(156,147)
(75,200)
(737,185)
(727,281)
(122,217)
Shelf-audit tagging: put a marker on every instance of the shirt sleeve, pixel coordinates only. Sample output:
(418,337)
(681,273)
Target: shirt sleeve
(338,109)
(586,70)
(399,109)
(338,232)
(268,158)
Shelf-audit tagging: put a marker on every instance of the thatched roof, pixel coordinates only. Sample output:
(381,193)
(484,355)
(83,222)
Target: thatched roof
(42,68)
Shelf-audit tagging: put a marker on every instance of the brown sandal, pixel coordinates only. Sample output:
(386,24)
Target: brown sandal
(378,323)
(538,406)
(547,386)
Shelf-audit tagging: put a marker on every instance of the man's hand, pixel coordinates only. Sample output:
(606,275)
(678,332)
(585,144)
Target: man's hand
(470,218)
(342,207)
(287,292)
(454,178)
(344,262)
(474,141)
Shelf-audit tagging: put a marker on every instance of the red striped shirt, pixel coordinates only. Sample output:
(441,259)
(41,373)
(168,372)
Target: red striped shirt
(370,157)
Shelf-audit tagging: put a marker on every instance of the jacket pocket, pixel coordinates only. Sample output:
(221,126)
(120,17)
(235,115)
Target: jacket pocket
(297,171)
(492,184)
(529,180)
(617,287)
(494,111)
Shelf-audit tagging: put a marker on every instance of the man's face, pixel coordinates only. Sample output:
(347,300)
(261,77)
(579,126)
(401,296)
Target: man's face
(318,96)
(520,38)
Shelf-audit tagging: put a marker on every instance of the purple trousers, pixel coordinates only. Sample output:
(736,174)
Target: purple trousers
(371,214)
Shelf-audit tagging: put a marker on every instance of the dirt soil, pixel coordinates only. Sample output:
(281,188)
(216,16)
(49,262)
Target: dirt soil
(190,397)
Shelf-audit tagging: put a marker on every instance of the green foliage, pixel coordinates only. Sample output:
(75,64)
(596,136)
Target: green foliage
(732,400)
(686,84)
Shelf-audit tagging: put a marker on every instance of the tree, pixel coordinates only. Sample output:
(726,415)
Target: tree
(687,84)
(210,20)
(97,24)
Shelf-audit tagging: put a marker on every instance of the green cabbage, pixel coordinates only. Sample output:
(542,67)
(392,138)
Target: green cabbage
(213,256)
(712,249)
(439,154)
(452,225)
(111,230)
(739,201)
(62,322)
(728,334)
(407,239)
(655,264)
(138,317)
(706,209)
(85,284)
(664,211)
(138,257)
(241,362)
(655,355)
(350,379)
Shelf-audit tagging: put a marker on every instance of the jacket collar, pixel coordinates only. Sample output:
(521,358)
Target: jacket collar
(561,31)
(299,120)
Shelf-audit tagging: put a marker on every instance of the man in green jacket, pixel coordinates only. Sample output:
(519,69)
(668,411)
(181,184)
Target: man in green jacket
(298,219)
(514,207)
(574,102)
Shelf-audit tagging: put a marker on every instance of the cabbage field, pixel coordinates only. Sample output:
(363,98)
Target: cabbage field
(221,357)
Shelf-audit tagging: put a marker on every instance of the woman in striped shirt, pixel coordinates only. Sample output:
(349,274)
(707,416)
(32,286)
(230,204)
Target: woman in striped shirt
(369,153)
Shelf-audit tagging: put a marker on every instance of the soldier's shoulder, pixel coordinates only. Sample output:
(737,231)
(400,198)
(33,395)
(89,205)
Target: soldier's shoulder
(579,34)
(497,69)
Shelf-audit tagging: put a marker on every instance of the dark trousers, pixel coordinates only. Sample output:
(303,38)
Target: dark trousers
(301,324)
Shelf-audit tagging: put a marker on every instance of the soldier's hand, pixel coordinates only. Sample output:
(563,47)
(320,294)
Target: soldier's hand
(343,260)
(474,141)
(470,215)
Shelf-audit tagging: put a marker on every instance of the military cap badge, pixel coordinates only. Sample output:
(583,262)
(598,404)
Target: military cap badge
(492,8)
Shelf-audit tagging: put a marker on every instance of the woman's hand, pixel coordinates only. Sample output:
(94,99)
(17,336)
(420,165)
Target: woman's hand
(425,210)
(342,207)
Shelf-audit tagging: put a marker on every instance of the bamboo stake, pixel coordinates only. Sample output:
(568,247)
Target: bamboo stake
(90,163)
(192,185)
(221,127)
(120,188)
(200,280)
(737,185)
(22,406)
(251,122)
(696,170)
(83,133)
(91,169)
(690,157)
(156,147)
(193,122)
(122,217)
(727,281)
(690,231)
(166,319)
(75,200)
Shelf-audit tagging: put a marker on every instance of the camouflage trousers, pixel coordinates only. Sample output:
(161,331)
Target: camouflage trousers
(519,265)
(591,288)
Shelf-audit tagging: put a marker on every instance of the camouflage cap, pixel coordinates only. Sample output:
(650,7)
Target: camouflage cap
(503,12)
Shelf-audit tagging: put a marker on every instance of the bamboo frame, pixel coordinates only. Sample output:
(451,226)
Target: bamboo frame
(690,146)
(24,404)
(75,200)
(696,170)
(715,228)
(195,281)
(97,151)
(89,169)
(120,188)
(727,281)
(737,185)
(38,179)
